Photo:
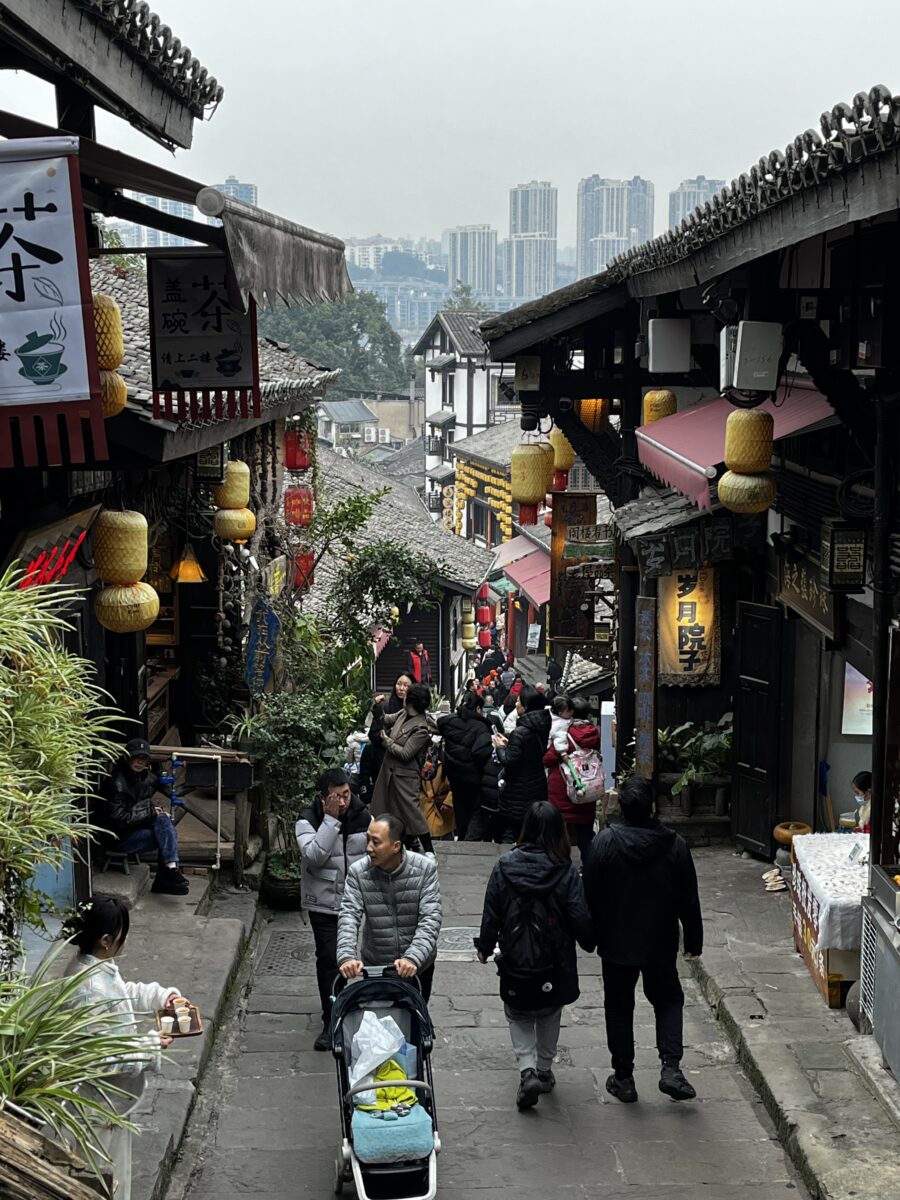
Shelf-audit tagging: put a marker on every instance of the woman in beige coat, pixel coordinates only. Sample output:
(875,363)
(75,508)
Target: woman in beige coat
(405,739)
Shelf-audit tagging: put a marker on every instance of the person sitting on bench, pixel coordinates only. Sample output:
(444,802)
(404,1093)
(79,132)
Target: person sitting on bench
(133,824)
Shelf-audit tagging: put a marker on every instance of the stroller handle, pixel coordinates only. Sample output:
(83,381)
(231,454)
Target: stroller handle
(371,1087)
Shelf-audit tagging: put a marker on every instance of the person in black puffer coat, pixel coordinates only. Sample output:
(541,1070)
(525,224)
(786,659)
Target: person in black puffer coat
(522,758)
(467,752)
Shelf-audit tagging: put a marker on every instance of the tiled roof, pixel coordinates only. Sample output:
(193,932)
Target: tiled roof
(349,412)
(655,511)
(462,328)
(401,517)
(440,362)
(283,374)
(142,35)
(406,465)
(851,137)
(493,445)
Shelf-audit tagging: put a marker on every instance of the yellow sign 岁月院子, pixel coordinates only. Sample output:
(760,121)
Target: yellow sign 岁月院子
(688,620)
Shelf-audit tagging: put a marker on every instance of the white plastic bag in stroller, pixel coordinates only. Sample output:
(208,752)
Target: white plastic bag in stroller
(376,1040)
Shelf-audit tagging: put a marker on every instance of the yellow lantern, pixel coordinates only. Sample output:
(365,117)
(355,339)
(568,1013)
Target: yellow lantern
(113,393)
(746,493)
(748,441)
(235,491)
(127,608)
(592,414)
(108,328)
(120,546)
(659,404)
(563,454)
(470,643)
(234,524)
(468,628)
(528,472)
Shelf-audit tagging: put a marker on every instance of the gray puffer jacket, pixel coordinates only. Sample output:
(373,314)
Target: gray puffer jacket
(329,846)
(401,910)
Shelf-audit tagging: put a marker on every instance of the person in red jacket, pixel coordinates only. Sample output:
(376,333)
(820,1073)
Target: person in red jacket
(579,818)
(419,664)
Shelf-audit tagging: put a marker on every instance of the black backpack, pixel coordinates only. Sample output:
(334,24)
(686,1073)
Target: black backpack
(531,964)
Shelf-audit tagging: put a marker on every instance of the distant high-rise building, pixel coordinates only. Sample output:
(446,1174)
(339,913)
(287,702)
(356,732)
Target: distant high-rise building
(611,208)
(368,253)
(602,249)
(233,187)
(691,194)
(472,258)
(530,260)
(173,208)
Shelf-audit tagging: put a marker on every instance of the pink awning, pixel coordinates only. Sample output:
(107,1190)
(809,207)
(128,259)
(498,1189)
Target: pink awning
(684,450)
(531,575)
(512,550)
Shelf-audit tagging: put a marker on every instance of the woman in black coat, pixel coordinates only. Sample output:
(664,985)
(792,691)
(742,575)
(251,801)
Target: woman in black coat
(535,908)
(467,752)
(522,758)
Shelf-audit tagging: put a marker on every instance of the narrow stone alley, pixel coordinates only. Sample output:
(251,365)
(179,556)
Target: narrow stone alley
(267,1122)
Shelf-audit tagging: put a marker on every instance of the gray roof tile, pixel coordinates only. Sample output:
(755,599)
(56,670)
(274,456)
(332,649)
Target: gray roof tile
(493,445)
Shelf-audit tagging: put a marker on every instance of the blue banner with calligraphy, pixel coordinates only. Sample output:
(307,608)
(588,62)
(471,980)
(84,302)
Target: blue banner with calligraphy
(262,642)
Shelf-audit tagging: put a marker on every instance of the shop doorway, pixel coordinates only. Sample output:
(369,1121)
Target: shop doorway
(757,726)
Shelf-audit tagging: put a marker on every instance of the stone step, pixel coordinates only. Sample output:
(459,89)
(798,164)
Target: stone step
(128,887)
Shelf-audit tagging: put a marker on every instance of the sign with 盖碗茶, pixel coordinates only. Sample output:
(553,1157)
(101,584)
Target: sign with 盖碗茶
(203,352)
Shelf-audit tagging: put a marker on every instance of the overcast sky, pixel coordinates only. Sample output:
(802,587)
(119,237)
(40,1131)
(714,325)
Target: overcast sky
(404,117)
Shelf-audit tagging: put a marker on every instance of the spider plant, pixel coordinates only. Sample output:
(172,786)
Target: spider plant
(56,734)
(57,1055)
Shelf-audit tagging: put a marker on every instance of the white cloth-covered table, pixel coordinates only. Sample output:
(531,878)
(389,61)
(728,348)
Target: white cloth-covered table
(830,888)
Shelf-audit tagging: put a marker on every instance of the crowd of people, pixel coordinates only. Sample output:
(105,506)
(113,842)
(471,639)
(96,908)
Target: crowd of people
(370,877)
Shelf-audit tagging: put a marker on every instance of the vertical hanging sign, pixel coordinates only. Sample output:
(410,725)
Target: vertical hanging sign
(203,348)
(645,687)
(48,361)
(688,628)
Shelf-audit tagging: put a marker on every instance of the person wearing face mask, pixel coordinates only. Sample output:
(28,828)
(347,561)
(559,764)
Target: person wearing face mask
(98,930)
(331,835)
(862,798)
(133,824)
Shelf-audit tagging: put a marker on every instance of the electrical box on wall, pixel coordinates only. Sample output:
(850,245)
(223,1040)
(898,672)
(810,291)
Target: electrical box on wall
(670,346)
(756,356)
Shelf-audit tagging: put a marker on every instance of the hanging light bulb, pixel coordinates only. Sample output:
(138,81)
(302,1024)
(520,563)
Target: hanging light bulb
(187,569)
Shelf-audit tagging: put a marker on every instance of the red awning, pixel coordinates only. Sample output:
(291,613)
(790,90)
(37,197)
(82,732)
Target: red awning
(531,575)
(686,449)
(511,551)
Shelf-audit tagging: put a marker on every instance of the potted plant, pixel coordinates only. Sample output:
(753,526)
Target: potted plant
(693,757)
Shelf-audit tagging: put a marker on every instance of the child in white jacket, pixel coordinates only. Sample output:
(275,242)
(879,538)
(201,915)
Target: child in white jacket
(561,719)
(99,931)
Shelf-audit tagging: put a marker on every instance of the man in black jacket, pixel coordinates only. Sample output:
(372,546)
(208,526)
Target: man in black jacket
(133,823)
(640,882)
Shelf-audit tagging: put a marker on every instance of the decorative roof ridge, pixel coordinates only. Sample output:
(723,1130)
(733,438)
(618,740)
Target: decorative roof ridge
(142,34)
(851,134)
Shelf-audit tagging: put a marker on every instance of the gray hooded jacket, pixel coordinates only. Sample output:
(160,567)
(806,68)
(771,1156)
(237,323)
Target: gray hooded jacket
(399,913)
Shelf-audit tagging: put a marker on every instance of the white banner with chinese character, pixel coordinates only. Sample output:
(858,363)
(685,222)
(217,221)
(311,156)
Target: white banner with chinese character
(46,322)
(688,626)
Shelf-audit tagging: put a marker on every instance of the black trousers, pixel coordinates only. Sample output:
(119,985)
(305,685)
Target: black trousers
(580,836)
(325,928)
(426,980)
(662,988)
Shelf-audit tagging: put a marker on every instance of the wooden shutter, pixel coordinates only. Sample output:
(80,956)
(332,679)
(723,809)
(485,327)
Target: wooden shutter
(757,725)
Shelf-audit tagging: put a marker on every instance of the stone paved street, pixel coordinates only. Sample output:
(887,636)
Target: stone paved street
(267,1124)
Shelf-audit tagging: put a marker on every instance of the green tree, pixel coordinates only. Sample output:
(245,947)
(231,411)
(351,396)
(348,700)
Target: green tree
(462,300)
(352,334)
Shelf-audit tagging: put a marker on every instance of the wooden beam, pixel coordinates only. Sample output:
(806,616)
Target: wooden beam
(112,204)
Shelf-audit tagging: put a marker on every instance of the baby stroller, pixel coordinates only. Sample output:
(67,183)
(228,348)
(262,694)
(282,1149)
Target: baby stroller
(389,1153)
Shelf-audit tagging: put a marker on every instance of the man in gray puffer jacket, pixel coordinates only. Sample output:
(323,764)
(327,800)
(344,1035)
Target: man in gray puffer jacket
(396,893)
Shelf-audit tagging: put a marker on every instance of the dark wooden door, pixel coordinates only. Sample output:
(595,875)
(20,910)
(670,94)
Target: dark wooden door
(754,803)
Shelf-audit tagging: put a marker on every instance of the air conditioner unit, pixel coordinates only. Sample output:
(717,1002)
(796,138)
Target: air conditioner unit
(670,346)
(756,356)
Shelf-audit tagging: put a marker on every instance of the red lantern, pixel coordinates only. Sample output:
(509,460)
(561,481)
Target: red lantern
(304,575)
(528,514)
(298,505)
(484,638)
(560,481)
(484,592)
(297,450)
(483,614)
(548,519)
